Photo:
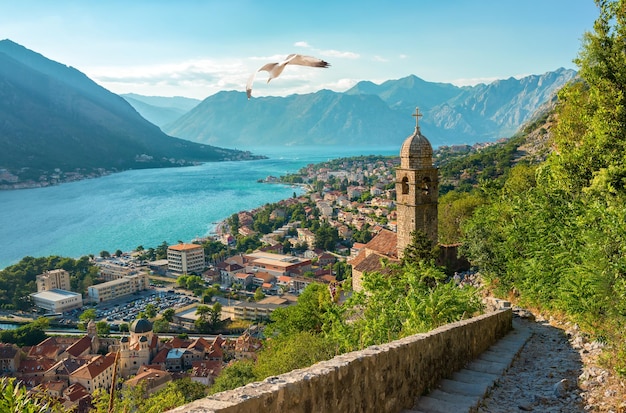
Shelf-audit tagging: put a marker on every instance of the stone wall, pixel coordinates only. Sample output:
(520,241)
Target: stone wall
(385,378)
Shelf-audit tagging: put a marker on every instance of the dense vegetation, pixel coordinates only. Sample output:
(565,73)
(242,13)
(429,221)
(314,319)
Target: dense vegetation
(553,236)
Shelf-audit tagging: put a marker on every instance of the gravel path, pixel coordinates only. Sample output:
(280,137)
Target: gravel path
(556,371)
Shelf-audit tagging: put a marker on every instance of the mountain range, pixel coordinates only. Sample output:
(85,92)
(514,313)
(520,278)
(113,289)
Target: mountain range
(54,119)
(368,114)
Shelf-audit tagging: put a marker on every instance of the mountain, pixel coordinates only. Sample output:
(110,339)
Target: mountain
(160,110)
(55,119)
(322,118)
(371,115)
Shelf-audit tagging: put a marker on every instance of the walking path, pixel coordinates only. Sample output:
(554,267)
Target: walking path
(465,390)
(540,366)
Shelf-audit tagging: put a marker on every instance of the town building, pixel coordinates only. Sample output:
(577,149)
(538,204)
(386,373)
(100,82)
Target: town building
(97,374)
(9,358)
(186,258)
(118,288)
(54,279)
(110,270)
(151,380)
(277,264)
(57,301)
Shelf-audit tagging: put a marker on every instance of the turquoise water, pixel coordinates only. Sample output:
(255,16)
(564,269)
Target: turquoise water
(146,207)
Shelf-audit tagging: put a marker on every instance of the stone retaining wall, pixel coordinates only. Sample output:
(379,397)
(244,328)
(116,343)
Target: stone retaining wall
(379,379)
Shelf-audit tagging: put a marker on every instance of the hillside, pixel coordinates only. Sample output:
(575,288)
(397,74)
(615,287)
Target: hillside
(55,120)
(160,110)
(370,114)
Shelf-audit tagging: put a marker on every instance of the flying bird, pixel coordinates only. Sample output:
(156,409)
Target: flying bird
(275,69)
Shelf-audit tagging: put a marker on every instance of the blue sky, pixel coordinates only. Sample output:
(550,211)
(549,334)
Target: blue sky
(197,48)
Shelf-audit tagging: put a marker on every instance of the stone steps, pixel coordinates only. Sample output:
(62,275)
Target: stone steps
(464,391)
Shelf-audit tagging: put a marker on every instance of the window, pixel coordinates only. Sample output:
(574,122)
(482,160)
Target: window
(426,185)
(405,185)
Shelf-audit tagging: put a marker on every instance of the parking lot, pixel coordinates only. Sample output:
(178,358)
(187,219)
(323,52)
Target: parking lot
(126,309)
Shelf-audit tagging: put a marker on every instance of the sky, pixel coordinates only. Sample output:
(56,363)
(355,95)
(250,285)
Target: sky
(196,48)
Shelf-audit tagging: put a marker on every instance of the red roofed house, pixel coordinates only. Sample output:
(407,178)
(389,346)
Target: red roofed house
(206,371)
(152,380)
(97,374)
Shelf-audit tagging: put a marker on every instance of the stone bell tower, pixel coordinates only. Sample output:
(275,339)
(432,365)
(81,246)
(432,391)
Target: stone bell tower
(417,188)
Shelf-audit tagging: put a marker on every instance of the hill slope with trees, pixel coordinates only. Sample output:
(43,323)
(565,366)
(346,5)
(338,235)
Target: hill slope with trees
(553,235)
(55,119)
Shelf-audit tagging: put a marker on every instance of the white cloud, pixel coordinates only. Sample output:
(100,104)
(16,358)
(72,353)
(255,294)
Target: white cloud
(302,44)
(340,85)
(403,56)
(472,81)
(193,78)
(380,59)
(340,54)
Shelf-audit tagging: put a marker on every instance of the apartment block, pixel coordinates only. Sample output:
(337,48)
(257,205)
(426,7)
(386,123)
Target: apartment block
(119,288)
(186,258)
(54,279)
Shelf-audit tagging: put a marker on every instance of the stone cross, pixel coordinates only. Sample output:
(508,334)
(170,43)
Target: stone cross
(417,115)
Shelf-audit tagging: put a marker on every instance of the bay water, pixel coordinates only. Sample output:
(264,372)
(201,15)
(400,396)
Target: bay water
(146,207)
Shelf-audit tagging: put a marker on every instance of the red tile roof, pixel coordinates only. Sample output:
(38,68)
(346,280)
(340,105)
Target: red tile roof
(94,368)
(385,243)
(75,391)
(372,263)
(80,347)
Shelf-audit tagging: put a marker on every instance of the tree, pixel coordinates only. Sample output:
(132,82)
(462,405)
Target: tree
(234,375)
(161,326)
(421,248)
(14,397)
(233,223)
(161,251)
(150,311)
(102,328)
(168,314)
(105,254)
(209,318)
(258,294)
(286,353)
(88,315)
(326,237)
(27,335)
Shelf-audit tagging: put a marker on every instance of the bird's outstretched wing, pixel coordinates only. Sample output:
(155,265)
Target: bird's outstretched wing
(266,67)
(302,60)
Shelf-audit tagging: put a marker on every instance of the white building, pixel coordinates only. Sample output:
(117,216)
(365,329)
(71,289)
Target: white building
(119,288)
(185,258)
(57,301)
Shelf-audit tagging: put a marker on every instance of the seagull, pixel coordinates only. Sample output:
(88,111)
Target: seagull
(275,69)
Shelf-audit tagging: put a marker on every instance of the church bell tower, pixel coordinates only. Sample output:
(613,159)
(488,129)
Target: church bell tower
(417,189)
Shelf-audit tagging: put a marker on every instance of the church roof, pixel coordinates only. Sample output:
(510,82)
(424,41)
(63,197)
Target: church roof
(141,326)
(416,151)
